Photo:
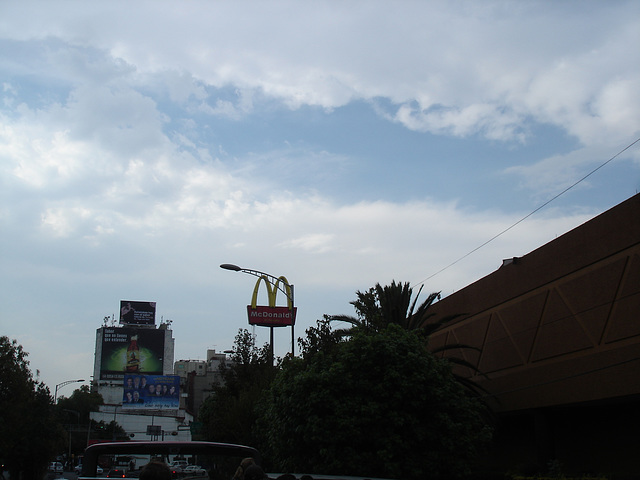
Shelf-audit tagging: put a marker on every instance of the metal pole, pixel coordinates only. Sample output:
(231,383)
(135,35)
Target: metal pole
(293,336)
(274,281)
(271,344)
(55,395)
(115,412)
(78,415)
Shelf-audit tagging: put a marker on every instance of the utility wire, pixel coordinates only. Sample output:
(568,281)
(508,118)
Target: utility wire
(531,213)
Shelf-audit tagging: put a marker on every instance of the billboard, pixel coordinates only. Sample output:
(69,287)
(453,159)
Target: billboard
(272,315)
(133,351)
(137,313)
(151,392)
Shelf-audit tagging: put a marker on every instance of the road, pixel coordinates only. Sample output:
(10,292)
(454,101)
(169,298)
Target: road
(57,476)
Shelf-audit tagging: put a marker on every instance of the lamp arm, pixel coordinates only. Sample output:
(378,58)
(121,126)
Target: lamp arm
(272,280)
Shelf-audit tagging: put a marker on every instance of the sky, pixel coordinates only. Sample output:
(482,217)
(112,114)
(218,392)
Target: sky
(338,144)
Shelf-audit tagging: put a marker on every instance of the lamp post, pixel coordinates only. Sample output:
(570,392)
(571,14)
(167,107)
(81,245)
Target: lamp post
(60,385)
(274,282)
(75,412)
(115,411)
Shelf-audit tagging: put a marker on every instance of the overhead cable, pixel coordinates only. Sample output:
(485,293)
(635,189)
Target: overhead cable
(531,213)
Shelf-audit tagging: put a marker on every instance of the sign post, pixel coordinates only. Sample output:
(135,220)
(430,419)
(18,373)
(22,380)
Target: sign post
(270,315)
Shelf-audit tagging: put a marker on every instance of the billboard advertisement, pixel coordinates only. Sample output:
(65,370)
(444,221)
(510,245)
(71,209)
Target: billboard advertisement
(137,313)
(133,351)
(272,315)
(151,392)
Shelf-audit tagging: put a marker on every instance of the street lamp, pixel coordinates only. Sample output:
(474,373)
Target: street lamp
(274,282)
(60,385)
(78,415)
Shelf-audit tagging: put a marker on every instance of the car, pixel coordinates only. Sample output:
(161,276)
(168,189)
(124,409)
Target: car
(223,458)
(194,470)
(56,467)
(178,466)
(116,473)
(78,469)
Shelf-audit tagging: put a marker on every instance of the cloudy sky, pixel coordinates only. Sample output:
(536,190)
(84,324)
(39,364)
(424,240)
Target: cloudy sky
(339,144)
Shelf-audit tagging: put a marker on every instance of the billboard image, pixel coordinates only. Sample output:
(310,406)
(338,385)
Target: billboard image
(137,313)
(132,351)
(151,392)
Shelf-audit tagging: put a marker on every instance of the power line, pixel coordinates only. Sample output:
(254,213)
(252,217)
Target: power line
(531,213)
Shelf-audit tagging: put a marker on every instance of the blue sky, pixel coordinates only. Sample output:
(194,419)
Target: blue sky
(339,144)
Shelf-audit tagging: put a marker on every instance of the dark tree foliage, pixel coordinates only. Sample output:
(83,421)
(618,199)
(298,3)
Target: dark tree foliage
(381,306)
(108,431)
(82,401)
(228,415)
(319,338)
(31,436)
(390,304)
(74,414)
(376,405)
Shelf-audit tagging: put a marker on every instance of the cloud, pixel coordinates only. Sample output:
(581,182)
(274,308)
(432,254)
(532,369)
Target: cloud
(143,144)
(524,62)
(555,174)
(478,119)
(98,195)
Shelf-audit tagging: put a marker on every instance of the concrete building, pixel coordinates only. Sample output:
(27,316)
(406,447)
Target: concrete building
(152,350)
(198,377)
(556,345)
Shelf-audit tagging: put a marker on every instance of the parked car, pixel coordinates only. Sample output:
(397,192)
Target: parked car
(56,467)
(116,473)
(178,466)
(194,470)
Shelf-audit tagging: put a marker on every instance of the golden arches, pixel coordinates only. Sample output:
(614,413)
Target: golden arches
(272,291)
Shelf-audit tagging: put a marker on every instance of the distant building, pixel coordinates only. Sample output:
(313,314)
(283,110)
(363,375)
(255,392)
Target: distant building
(129,358)
(198,378)
(556,343)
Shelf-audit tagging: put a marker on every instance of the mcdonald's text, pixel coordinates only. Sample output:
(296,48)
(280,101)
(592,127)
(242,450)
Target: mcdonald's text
(271,316)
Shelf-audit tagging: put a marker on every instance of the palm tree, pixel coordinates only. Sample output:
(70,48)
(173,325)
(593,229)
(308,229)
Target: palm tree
(381,306)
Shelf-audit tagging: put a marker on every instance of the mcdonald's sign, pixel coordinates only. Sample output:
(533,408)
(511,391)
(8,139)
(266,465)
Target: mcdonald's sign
(272,315)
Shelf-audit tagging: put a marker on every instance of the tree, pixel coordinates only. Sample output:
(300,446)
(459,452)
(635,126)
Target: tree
(382,305)
(228,415)
(83,401)
(31,436)
(376,405)
(319,338)
(74,412)
(108,431)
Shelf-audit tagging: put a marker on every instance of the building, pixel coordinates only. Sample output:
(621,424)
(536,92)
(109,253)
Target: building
(133,371)
(555,339)
(198,377)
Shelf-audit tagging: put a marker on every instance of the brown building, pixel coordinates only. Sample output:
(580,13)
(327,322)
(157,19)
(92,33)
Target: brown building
(556,337)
